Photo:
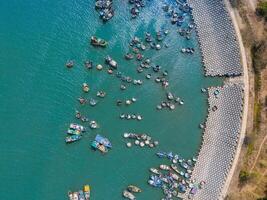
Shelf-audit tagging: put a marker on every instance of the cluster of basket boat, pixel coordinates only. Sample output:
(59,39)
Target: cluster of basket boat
(175,179)
(104,7)
(137,5)
(177,17)
(140,140)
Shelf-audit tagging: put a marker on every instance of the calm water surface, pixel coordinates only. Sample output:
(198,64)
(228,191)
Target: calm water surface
(38,100)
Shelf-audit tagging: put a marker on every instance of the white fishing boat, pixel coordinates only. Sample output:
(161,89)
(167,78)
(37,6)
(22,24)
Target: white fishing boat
(128,195)
(155,171)
(164,167)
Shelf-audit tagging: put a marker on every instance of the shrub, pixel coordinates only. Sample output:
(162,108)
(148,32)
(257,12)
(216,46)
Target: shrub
(262,9)
(243,176)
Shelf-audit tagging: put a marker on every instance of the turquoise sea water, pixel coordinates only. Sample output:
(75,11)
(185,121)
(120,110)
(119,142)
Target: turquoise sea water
(38,100)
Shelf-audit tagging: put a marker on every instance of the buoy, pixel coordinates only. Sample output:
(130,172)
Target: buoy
(151,145)
(99,67)
(123,87)
(142,144)
(139,117)
(159,107)
(128,102)
(137,142)
(129,144)
(126,135)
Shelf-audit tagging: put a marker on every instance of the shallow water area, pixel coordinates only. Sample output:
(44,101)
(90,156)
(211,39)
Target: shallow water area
(39,97)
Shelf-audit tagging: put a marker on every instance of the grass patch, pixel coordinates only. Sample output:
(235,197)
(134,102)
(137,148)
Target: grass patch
(257,115)
(244,177)
(261,9)
(250,149)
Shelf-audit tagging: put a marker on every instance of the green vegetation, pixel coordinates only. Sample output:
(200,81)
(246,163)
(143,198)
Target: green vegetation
(244,176)
(264,198)
(257,114)
(259,62)
(262,9)
(250,149)
(259,59)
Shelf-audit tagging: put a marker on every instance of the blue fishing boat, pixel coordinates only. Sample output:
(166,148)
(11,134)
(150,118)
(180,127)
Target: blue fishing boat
(155,181)
(81,195)
(103,141)
(72,138)
(170,155)
(161,154)
(182,188)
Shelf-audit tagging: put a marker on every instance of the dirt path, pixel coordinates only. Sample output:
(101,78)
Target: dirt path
(258,153)
(246,98)
(253,4)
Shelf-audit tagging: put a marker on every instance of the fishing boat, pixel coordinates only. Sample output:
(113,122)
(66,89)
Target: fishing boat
(88,64)
(107,14)
(128,195)
(73,132)
(82,100)
(93,125)
(111,62)
(100,147)
(98,42)
(77,127)
(161,154)
(73,195)
(93,102)
(159,36)
(78,114)
(170,96)
(70,64)
(155,181)
(164,167)
(101,94)
(184,165)
(170,155)
(103,141)
(175,168)
(129,56)
(86,87)
(84,119)
(133,188)
(72,138)
(102,4)
(174,176)
(155,171)
(81,195)
(87,192)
